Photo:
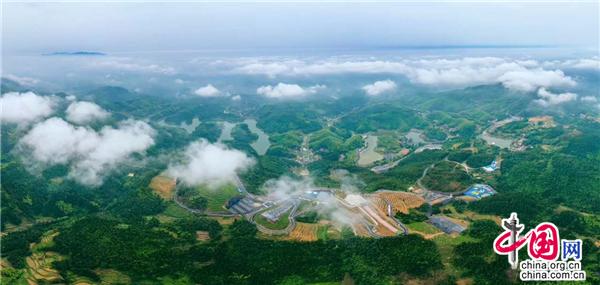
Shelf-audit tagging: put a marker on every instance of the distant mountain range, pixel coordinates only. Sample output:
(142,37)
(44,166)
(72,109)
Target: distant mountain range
(76,53)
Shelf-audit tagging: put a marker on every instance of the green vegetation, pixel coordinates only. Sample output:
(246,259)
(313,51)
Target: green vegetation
(384,117)
(310,217)
(423,227)
(447,176)
(134,236)
(286,117)
(413,216)
(206,198)
(280,224)
(402,176)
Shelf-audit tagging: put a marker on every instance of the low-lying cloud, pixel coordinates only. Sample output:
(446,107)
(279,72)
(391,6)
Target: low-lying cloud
(85,112)
(25,108)
(210,164)
(530,80)
(518,75)
(129,65)
(283,90)
(285,188)
(548,98)
(208,91)
(89,154)
(379,87)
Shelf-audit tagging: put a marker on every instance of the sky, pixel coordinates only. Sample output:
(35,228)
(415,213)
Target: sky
(132,27)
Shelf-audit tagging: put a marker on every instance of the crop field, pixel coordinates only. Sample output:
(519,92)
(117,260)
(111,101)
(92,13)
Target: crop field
(304,232)
(163,186)
(401,201)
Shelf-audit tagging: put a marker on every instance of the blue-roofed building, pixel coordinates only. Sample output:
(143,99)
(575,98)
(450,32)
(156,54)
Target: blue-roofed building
(479,191)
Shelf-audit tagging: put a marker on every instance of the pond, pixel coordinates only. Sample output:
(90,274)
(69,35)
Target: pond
(497,141)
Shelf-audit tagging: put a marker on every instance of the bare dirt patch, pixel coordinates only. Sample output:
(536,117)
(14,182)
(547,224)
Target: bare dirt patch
(163,186)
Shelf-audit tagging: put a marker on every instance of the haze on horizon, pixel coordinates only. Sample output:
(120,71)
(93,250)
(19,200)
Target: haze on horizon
(131,27)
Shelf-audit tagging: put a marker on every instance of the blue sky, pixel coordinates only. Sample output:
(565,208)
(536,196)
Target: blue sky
(39,27)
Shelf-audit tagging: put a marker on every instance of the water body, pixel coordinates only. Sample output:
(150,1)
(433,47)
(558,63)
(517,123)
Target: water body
(368,155)
(500,142)
(226,131)
(262,144)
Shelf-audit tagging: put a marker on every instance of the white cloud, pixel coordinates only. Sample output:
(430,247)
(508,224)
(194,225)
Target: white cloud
(283,90)
(127,64)
(90,154)
(236,98)
(530,80)
(285,188)
(548,98)
(582,63)
(211,164)
(379,87)
(207,91)
(22,80)
(24,108)
(589,99)
(85,112)
(520,75)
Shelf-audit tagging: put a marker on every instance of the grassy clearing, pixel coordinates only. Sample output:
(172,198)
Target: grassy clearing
(218,197)
(423,227)
(280,224)
(446,245)
(173,211)
(323,232)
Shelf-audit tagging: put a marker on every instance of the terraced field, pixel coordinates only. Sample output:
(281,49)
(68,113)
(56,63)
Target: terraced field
(401,201)
(304,232)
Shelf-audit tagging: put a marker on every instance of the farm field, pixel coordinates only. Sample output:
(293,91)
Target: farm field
(304,232)
(401,201)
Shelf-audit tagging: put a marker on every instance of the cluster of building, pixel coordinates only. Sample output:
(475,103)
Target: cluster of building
(479,191)
(273,215)
(243,205)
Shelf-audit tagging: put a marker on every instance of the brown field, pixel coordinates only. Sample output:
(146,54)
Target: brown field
(202,236)
(401,201)
(383,231)
(543,121)
(304,232)
(39,267)
(361,230)
(163,186)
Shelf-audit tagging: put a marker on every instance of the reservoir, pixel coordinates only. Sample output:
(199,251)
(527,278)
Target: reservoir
(226,131)
(262,144)
(368,155)
(492,140)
